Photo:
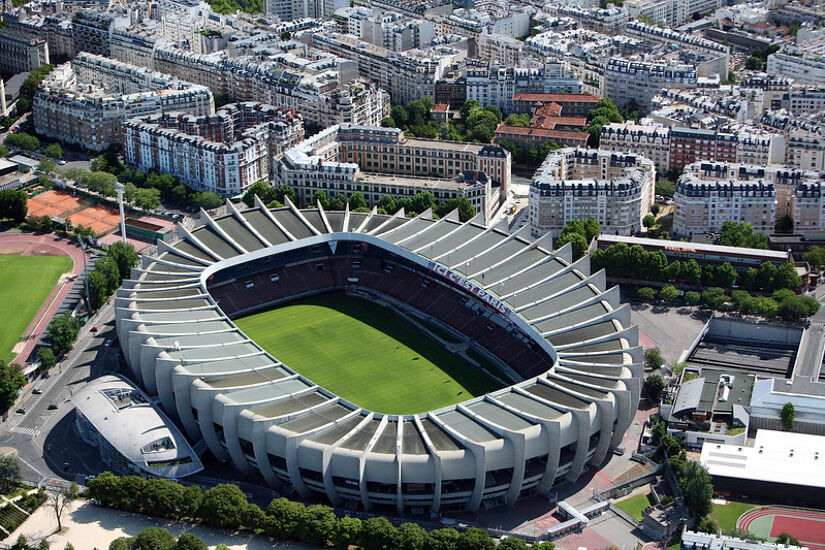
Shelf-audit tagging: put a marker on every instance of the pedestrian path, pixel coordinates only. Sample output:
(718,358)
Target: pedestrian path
(34,432)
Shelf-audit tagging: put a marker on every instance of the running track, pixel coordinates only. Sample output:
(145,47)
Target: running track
(805,525)
(28,244)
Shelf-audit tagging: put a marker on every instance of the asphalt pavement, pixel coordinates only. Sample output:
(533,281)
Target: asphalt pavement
(45,439)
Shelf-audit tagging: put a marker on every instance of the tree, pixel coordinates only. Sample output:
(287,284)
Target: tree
(591,228)
(668,294)
(207,201)
(222,505)
(22,140)
(410,537)
(697,488)
(124,256)
(11,380)
(188,541)
(347,532)
(122,543)
(714,297)
(62,332)
(815,256)
(399,115)
(441,539)
(283,518)
(252,517)
(98,289)
(518,119)
(54,151)
(784,225)
(692,297)
(13,204)
(649,221)
(653,358)
(388,122)
(61,499)
(377,534)
(9,472)
(646,293)
(785,276)
(47,358)
(513,543)
(707,525)
(725,275)
(692,271)
(154,538)
(46,165)
(262,190)
(654,387)
(655,208)
(787,415)
(317,524)
(577,241)
(475,539)
(741,234)
(753,64)
(785,538)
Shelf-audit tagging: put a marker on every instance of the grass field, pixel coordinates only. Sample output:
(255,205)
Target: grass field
(25,282)
(366,354)
(725,515)
(635,505)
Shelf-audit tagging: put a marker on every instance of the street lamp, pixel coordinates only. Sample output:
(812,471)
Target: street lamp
(119,187)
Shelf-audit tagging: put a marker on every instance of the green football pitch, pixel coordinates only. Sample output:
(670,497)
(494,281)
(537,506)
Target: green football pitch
(366,354)
(25,283)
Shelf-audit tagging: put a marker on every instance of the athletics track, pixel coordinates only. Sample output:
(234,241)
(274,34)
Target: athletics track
(28,244)
(807,526)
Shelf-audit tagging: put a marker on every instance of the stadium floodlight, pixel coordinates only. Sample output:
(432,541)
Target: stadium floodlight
(120,188)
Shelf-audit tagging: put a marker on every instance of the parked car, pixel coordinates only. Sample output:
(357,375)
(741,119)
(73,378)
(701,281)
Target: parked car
(52,407)
(37,391)
(94,330)
(21,410)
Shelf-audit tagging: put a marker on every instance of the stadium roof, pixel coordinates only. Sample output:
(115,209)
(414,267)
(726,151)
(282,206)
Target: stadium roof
(557,302)
(779,457)
(136,427)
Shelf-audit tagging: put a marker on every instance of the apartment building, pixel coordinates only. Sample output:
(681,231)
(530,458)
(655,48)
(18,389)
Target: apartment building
(376,161)
(715,56)
(806,99)
(803,68)
(85,102)
(405,75)
(671,13)
(687,145)
(223,153)
(578,105)
(91,32)
(711,193)
(572,184)
(498,84)
(289,10)
(499,49)
(18,54)
(628,80)
(652,142)
(806,150)
(610,20)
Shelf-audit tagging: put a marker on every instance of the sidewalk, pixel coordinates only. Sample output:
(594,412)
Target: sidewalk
(89,527)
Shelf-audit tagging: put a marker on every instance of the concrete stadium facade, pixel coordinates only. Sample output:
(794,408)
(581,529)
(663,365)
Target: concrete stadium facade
(567,402)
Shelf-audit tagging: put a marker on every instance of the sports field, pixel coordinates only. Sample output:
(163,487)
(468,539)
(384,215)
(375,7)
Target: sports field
(25,283)
(366,354)
(807,526)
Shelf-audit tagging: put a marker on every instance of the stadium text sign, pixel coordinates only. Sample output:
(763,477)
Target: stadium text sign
(470,287)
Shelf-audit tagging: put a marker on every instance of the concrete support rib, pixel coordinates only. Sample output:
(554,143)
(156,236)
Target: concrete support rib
(262,207)
(436,458)
(244,222)
(243,403)
(517,440)
(362,463)
(479,455)
(326,460)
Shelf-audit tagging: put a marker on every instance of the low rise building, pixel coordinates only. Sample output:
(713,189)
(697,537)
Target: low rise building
(85,102)
(706,541)
(223,153)
(376,161)
(573,184)
(803,68)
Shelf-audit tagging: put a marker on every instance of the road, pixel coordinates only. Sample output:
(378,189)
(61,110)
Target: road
(45,440)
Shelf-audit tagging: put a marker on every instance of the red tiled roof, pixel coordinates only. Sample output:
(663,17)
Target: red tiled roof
(440,108)
(558,98)
(504,130)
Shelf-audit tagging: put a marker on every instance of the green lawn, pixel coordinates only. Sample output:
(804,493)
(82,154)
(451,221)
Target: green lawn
(366,354)
(25,282)
(635,505)
(726,515)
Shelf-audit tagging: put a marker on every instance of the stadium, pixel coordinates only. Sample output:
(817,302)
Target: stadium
(521,371)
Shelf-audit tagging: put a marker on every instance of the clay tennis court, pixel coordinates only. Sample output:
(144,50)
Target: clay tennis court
(808,526)
(101,219)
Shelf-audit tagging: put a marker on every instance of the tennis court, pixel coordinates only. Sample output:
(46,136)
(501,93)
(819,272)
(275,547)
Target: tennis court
(100,219)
